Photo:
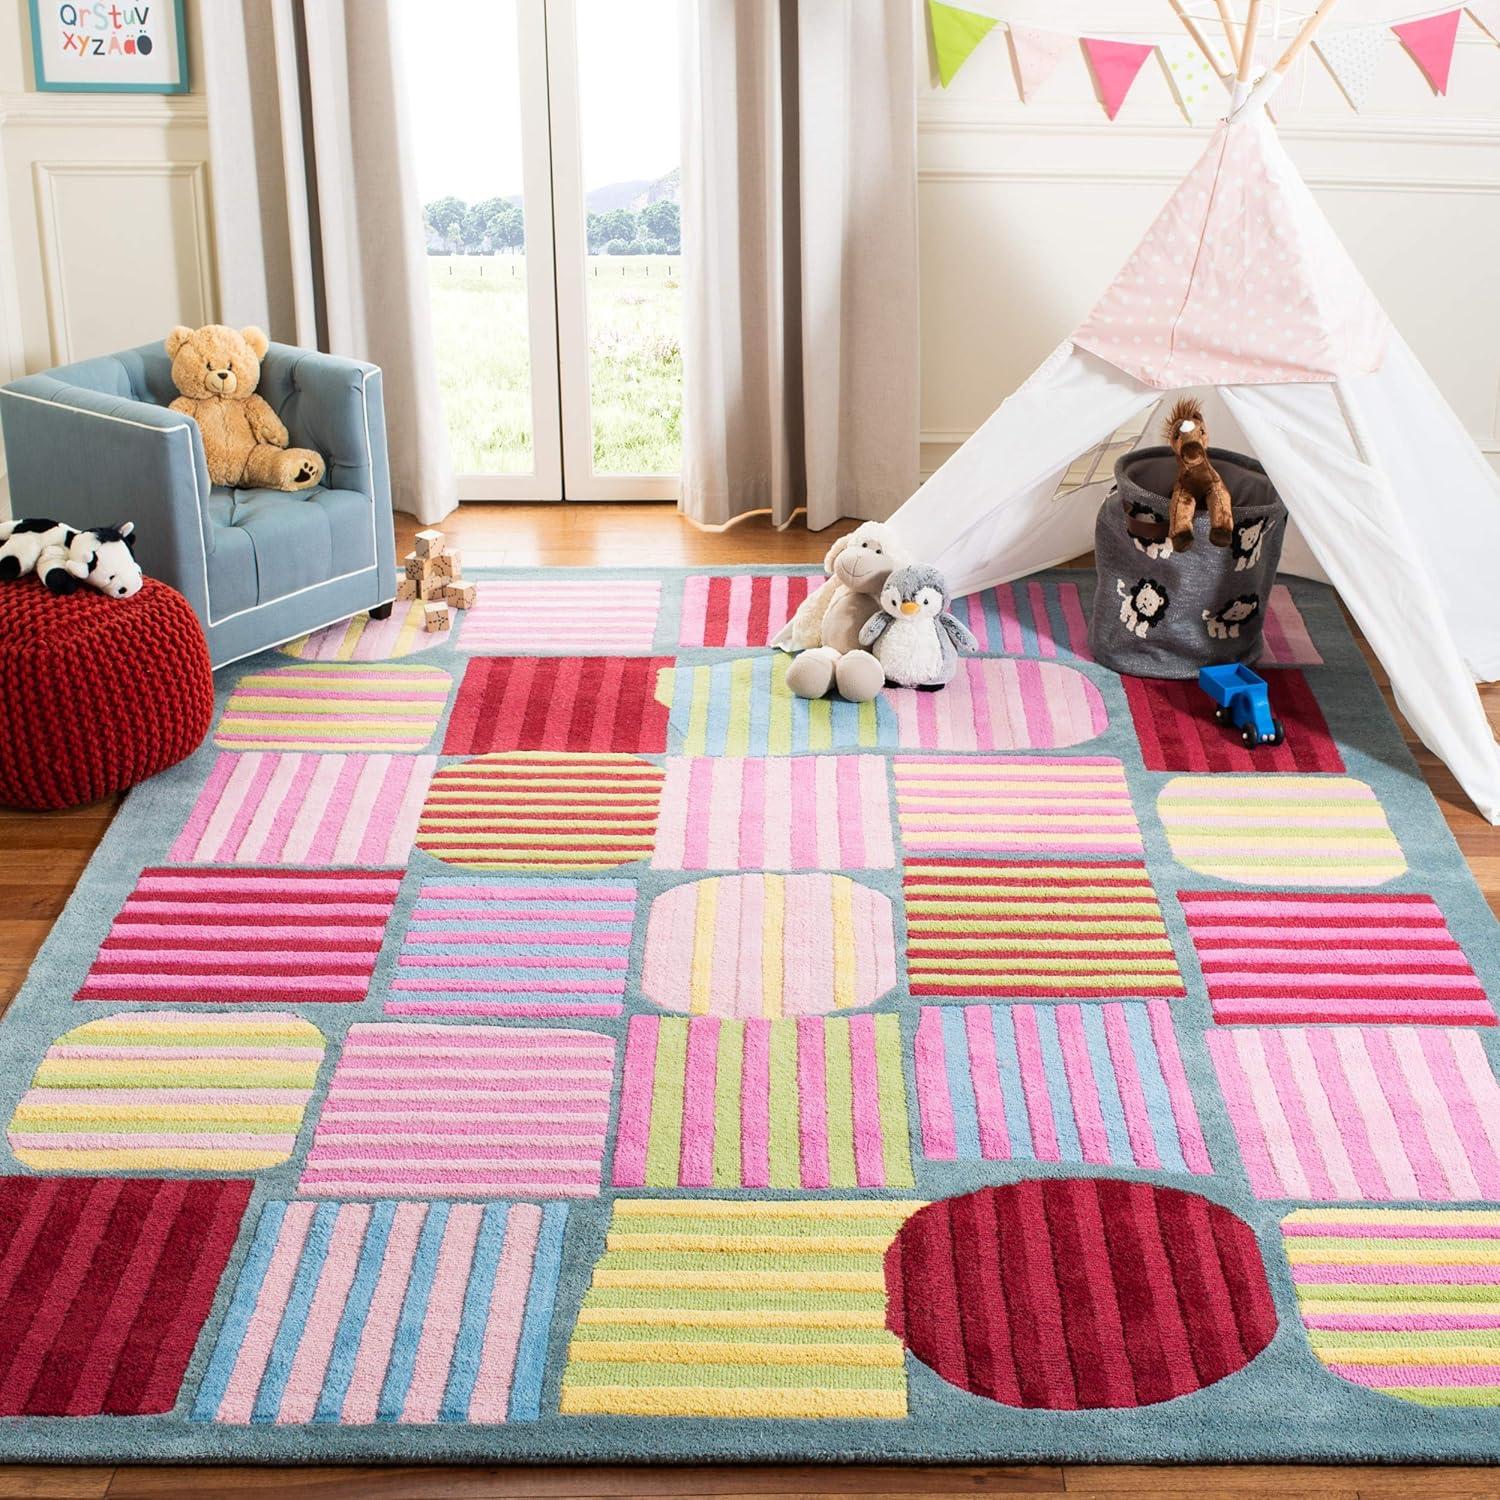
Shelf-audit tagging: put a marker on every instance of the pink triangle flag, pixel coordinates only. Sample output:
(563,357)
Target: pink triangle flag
(1430,41)
(1115,65)
(1036,53)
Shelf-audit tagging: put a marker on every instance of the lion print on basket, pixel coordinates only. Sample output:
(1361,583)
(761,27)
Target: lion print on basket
(1142,604)
(1223,623)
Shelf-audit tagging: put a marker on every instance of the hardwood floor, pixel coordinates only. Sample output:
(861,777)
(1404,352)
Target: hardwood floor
(47,853)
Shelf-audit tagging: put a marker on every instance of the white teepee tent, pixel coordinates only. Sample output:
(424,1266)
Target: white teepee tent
(1241,294)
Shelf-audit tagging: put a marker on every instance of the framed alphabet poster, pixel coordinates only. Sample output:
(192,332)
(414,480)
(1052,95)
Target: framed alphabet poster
(109,46)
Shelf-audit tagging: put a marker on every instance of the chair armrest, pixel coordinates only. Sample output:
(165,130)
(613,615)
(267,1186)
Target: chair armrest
(336,407)
(93,459)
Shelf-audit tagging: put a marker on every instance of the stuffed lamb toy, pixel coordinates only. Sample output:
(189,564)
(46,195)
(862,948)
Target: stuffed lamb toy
(64,558)
(916,638)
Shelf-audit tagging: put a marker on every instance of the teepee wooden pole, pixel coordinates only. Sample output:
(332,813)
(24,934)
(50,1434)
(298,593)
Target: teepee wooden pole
(1247,44)
(1303,37)
(1200,41)
(1231,29)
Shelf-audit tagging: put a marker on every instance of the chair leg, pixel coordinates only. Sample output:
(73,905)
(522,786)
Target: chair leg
(383,611)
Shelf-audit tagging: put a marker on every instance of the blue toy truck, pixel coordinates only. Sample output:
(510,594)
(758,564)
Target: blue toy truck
(1242,699)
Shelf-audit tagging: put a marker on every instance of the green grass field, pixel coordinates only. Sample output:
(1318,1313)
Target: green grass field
(635,360)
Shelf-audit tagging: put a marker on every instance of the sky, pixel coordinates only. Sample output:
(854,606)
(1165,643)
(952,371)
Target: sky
(462,71)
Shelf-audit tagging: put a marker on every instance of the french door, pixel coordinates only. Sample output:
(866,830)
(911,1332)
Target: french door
(547,141)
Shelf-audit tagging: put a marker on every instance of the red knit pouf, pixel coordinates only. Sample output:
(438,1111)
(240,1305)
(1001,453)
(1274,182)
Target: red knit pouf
(96,693)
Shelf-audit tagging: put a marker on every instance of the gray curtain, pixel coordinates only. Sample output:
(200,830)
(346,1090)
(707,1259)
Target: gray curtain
(316,213)
(800,246)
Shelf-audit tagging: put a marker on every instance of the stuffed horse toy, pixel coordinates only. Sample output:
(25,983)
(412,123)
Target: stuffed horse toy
(1198,482)
(64,558)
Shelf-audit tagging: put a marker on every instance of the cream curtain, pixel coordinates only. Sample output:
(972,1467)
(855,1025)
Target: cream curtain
(800,237)
(316,212)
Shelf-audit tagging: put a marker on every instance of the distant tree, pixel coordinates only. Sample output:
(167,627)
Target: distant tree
(620,247)
(474,231)
(618,224)
(504,224)
(596,233)
(662,220)
(445,217)
(654,247)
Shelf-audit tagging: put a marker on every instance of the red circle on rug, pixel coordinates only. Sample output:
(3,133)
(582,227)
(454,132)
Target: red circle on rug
(1077,1292)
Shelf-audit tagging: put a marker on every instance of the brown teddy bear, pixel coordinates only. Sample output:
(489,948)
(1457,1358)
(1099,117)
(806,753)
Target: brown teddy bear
(217,370)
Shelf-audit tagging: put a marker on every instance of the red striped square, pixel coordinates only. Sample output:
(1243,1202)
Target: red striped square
(1175,724)
(189,936)
(1331,956)
(105,1283)
(560,703)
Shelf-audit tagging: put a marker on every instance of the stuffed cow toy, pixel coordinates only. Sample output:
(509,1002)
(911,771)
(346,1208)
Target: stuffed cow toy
(64,558)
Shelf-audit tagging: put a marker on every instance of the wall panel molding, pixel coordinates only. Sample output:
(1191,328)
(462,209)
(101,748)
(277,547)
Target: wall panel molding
(195,280)
(89,111)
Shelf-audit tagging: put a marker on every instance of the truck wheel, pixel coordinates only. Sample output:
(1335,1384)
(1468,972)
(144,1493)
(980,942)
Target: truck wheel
(1279,735)
(1222,715)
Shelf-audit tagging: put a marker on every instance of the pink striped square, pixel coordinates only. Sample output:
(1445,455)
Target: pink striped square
(537,613)
(245,936)
(808,812)
(455,1111)
(1362,1113)
(261,808)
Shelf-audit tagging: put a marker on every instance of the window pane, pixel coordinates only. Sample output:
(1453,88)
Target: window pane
(466,120)
(631,135)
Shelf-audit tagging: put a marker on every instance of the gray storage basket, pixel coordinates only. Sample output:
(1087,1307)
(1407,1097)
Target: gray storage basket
(1162,613)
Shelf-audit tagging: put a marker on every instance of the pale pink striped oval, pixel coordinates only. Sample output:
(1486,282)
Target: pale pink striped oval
(769,945)
(1001,704)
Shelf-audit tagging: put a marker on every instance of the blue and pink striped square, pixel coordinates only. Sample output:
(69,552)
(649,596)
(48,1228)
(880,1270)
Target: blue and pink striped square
(355,1313)
(1099,1084)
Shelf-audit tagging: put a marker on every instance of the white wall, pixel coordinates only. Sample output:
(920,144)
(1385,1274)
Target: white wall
(1028,210)
(105,236)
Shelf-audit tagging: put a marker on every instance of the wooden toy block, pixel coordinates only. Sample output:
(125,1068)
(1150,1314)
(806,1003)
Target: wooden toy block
(459,594)
(407,589)
(420,569)
(438,618)
(430,543)
(432,589)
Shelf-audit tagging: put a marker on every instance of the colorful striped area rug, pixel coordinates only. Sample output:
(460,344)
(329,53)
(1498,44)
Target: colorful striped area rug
(551,1040)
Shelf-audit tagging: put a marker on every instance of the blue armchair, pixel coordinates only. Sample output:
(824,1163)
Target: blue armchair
(94,443)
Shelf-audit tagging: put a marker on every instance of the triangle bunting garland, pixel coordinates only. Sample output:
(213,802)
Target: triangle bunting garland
(1115,66)
(955,34)
(1197,81)
(1352,57)
(1429,42)
(1037,53)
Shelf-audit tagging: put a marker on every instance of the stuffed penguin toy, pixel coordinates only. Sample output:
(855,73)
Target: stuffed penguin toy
(916,638)
(64,558)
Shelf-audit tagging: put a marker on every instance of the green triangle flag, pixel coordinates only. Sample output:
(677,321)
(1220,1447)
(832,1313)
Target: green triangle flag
(955,34)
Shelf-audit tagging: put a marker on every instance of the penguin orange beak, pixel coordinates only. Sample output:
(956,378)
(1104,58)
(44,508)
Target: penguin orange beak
(910,607)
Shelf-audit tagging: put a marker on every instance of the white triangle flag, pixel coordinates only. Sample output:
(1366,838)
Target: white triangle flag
(1200,93)
(1037,53)
(1487,14)
(1352,57)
